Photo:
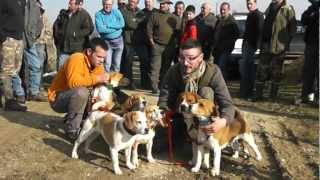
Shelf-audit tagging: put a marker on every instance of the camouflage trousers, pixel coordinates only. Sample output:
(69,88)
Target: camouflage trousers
(270,68)
(11,52)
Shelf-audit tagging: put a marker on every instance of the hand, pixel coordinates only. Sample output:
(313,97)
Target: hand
(218,123)
(103,78)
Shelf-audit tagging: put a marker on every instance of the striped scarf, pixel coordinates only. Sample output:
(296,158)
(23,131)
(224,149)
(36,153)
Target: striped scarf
(192,79)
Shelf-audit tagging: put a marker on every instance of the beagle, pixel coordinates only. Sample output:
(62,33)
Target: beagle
(119,133)
(205,111)
(155,116)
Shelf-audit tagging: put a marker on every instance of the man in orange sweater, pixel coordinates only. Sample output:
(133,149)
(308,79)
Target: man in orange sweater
(69,91)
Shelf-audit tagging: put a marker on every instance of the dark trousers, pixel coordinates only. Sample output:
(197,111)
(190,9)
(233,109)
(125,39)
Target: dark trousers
(310,71)
(247,70)
(142,52)
(270,67)
(73,102)
(161,59)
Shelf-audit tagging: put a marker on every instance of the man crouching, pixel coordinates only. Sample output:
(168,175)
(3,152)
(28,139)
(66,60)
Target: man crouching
(193,74)
(69,91)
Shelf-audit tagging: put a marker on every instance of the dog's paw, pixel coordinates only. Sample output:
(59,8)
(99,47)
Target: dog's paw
(205,165)
(75,155)
(135,162)
(117,171)
(214,172)
(151,160)
(195,169)
(131,166)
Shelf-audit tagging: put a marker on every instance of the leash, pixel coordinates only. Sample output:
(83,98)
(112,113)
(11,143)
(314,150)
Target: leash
(168,118)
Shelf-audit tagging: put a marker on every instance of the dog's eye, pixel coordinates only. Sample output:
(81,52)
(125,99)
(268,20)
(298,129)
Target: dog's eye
(139,122)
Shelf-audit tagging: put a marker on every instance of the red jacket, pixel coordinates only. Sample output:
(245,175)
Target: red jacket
(190,31)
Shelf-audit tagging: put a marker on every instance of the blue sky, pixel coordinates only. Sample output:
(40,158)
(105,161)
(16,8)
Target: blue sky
(53,6)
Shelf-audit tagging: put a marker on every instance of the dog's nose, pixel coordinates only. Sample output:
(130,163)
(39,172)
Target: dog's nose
(144,103)
(147,131)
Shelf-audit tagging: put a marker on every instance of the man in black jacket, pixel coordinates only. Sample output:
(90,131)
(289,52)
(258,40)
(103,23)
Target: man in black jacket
(225,36)
(206,22)
(12,14)
(251,41)
(310,77)
(71,30)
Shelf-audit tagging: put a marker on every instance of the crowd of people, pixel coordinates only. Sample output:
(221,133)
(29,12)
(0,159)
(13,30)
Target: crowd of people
(159,39)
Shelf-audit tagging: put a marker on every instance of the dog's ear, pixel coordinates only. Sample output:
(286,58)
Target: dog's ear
(130,120)
(215,109)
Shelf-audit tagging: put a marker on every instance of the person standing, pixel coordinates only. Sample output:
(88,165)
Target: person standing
(71,30)
(133,40)
(190,30)
(225,36)
(206,22)
(278,29)
(12,14)
(160,31)
(251,42)
(310,71)
(109,23)
(179,11)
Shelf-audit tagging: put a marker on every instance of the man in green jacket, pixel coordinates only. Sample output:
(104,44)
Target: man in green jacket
(160,30)
(278,30)
(133,39)
(71,30)
(193,74)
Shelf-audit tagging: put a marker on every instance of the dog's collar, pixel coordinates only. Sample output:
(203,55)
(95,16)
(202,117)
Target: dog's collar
(129,131)
(109,86)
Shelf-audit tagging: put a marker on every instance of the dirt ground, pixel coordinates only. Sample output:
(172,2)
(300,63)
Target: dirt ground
(33,146)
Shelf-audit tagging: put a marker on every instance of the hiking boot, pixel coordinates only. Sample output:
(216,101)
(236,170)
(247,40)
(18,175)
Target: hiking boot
(73,134)
(38,97)
(12,105)
(258,96)
(21,99)
(274,91)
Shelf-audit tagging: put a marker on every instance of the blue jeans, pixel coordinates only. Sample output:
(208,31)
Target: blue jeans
(17,86)
(34,58)
(113,60)
(61,59)
(247,70)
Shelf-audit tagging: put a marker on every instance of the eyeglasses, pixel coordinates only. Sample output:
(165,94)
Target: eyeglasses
(189,59)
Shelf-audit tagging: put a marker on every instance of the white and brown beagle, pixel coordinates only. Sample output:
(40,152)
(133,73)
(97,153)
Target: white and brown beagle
(205,111)
(155,116)
(119,133)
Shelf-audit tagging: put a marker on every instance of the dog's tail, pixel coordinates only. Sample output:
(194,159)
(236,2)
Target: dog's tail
(238,116)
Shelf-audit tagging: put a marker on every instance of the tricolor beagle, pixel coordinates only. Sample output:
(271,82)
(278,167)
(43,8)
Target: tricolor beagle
(204,111)
(155,116)
(119,133)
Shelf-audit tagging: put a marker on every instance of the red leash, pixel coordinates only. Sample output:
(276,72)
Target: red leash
(168,117)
